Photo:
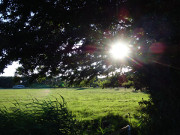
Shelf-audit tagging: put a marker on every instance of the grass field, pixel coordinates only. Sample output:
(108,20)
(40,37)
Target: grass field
(85,103)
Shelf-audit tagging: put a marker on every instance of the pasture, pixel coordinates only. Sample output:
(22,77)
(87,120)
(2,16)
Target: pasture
(85,103)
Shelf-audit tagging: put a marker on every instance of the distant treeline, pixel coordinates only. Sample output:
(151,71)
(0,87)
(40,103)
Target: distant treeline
(6,82)
(126,80)
(9,82)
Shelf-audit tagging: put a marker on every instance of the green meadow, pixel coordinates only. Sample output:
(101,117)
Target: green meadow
(85,103)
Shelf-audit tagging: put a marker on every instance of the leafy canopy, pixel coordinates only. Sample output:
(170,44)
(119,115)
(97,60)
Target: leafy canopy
(72,38)
(53,37)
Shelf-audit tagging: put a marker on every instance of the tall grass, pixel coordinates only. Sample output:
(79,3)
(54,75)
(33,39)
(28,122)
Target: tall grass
(46,118)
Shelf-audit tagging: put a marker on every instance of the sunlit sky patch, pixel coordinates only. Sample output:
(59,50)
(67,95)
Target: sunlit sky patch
(11,69)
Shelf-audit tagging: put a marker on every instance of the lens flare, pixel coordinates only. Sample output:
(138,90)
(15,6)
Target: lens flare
(119,50)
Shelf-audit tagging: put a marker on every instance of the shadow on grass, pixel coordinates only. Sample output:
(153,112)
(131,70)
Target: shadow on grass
(108,125)
(142,91)
(49,122)
(81,88)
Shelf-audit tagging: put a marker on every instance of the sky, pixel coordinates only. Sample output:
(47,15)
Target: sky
(10,70)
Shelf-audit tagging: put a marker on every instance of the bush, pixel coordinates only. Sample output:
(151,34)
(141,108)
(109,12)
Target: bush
(128,84)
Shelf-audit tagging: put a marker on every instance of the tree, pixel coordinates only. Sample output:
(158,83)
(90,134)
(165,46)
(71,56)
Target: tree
(158,63)
(45,36)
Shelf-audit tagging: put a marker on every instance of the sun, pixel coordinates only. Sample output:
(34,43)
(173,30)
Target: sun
(119,50)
